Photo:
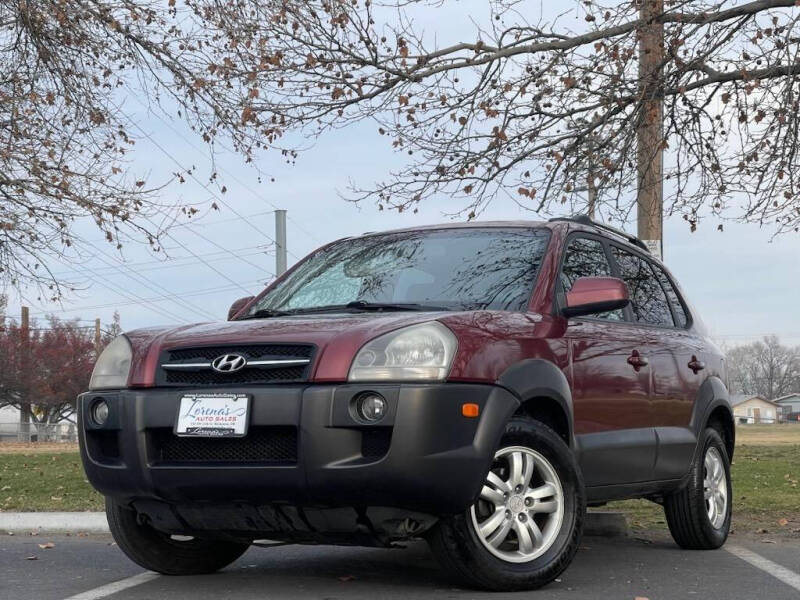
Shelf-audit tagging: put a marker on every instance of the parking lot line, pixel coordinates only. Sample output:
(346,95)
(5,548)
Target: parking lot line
(114,587)
(780,573)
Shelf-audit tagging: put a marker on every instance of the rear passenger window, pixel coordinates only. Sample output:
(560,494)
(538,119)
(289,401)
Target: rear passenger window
(648,300)
(677,306)
(585,257)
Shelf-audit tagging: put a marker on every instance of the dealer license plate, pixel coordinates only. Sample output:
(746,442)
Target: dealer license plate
(213,415)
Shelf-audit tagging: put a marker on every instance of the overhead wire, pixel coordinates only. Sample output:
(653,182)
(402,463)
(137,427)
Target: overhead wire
(228,173)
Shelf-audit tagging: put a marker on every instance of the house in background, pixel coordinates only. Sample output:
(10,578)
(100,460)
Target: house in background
(790,406)
(9,423)
(749,409)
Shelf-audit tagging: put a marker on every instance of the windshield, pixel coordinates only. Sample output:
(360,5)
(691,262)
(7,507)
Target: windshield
(454,269)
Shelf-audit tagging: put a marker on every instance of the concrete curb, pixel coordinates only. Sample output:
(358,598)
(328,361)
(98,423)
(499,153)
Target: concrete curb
(54,522)
(598,523)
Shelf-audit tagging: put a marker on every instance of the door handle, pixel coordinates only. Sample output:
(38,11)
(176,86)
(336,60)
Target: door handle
(637,361)
(696,365)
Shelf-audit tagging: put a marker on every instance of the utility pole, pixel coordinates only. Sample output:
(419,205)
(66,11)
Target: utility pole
(24,370)
(96,339)
(650,142)
(280,242)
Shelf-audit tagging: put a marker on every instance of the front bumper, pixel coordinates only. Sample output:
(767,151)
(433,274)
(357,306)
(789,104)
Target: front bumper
(303,448)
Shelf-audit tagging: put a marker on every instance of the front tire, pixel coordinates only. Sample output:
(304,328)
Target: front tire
(699,515)
(525,528)
(159,552)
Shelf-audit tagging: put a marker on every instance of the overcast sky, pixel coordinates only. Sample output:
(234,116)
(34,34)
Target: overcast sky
(744,283)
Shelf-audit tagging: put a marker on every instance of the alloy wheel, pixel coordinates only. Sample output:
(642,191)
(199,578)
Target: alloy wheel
(521,506)
(715,488)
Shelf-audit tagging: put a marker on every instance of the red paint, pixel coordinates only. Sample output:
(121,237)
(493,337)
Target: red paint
(608,392)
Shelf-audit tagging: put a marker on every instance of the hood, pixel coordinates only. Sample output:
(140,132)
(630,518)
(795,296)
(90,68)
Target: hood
(337,336)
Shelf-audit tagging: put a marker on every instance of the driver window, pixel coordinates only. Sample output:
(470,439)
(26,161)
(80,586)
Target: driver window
(585,257)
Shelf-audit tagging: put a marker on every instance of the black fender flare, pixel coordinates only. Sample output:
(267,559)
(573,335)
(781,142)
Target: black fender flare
(537,377)
(711,395)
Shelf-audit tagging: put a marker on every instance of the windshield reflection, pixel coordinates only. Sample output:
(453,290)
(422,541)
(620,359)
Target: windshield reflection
(458,269)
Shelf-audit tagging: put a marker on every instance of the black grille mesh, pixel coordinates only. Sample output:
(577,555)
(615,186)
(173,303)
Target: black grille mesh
(375,442)
(272,444)
(252,352)
(283,374)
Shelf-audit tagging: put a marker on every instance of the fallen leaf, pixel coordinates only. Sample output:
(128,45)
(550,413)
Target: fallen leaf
(47,545)
(32,557)
(347,578)
(783,522)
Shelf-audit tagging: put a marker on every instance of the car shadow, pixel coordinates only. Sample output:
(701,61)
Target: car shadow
(334,572)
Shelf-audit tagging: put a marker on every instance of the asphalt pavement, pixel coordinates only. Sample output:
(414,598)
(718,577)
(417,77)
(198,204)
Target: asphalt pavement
(92,567)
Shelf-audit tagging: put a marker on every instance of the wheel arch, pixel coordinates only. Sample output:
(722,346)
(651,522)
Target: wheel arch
(544,394)
(712,408)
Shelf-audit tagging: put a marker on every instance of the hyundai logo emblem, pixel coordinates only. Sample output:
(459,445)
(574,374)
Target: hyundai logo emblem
(229,363)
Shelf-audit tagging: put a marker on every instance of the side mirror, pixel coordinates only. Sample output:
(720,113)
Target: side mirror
(594,295)
(238,305)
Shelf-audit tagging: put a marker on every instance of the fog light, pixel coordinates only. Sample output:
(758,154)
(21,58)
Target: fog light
(100,412)
(371,407)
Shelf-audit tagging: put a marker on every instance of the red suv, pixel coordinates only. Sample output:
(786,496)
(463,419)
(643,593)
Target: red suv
(475,385)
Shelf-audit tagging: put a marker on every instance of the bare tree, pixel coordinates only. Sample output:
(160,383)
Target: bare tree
(530,109)
(526,109)
(766,368)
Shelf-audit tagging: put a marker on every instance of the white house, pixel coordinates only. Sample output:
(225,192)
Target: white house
(750,409)
(790,406)
(9,423)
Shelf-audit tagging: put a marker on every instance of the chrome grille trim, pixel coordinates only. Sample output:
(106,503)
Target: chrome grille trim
(249,363)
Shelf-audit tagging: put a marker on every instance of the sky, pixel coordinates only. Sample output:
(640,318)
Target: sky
(743,282)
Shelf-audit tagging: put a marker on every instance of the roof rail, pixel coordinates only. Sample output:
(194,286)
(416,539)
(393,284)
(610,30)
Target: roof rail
(587,220)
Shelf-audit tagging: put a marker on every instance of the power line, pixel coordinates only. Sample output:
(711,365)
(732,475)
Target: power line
(178,261)
(152,286)
(154,299)
(201,183)
(228,173)
(131,296)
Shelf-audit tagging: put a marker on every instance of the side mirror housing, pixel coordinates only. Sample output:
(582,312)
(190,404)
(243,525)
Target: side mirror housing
(595,295)
(238,305)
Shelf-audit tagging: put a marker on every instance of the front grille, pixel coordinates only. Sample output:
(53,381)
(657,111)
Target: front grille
(253,352)
(267,444)
(248,375)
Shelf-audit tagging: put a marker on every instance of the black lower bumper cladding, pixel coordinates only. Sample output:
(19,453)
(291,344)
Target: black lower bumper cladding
(305,448)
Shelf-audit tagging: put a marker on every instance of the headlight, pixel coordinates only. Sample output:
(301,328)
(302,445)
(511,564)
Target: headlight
(417,353)
(111,369)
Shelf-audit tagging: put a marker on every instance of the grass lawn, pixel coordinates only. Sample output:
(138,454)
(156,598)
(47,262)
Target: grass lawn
(766,479)
(36,479)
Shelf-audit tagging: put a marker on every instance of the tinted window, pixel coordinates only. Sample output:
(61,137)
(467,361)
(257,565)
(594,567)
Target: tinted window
(674,300)
(586,257)
(648,300)
(453,268)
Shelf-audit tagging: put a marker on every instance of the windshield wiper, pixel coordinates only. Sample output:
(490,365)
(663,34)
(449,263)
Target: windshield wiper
(265,313)
(390,306)
(360,305)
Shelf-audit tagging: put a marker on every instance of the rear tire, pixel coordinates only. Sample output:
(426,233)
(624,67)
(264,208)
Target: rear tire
(699,515)
(157,551)
(544,502)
